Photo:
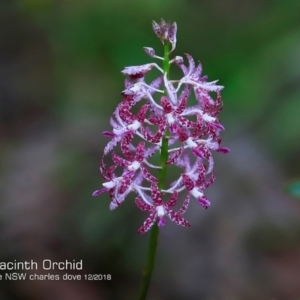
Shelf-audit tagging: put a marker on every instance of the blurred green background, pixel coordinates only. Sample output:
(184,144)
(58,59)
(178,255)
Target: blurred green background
(60,80)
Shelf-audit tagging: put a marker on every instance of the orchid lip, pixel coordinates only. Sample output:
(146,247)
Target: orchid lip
(134,126)
(110,184)
(118,131)
(160,211)
(208,118)
(161,222)
(196,193)
(170,118)
(191,143)
(134,166)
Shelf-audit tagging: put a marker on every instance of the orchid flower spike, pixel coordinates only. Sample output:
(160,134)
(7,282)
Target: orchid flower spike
(157,118)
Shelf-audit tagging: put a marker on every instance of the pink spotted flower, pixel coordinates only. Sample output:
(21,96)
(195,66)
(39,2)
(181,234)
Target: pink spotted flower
(159,210)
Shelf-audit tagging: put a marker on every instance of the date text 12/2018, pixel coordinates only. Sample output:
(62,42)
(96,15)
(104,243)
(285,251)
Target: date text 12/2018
(97,276)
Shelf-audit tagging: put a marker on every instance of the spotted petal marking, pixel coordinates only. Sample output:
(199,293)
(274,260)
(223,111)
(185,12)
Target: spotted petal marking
(185,204)
(162,126)
(147,175)
(156,195)
(125,183)
(120,161)
(142,205)
(142,113)
(188,182)
(140,152)
(149,222)
(204,202)
(175,155)
(157,29)
(136,72)
(173,200)
(126,141)
(178,219)
(172,35)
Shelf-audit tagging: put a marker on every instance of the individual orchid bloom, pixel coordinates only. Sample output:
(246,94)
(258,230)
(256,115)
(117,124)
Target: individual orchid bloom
(160,210)
(192,71)
(136,162)
(140,90)
(132,185)
(207,116)
(127,125)
(117,187)
(162,127)
(133,122)
(197,187)
(174,116)
(192,77)
(201,148)
(187,140)
(107,175)
(190,169)
(120,130)
(209,144)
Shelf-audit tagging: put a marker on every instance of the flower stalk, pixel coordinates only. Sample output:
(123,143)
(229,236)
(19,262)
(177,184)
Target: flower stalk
(154,233)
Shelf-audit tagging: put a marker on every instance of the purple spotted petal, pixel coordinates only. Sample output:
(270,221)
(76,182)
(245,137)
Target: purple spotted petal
(157,29)
(223,150)
(142,205)
(161,222)
(98,192)
(137,71)
(178,219)
(172,35)
(148,176)
(173,200)
(120,161)
(204,202)
(175,155)
(108,134)
(185,204)
(188,182)
(156,195)
(148,223)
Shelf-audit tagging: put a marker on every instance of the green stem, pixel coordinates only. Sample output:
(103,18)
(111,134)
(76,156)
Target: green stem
(163,159)
(154,233)
(150,261)
(167,59)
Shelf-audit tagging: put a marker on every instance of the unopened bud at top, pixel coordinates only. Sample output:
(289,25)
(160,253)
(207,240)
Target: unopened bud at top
(166,32)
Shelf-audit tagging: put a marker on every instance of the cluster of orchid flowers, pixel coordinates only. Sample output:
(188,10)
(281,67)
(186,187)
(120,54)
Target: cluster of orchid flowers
(192,134)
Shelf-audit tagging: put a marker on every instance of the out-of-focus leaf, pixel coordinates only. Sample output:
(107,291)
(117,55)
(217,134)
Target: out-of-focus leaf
(294,189)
